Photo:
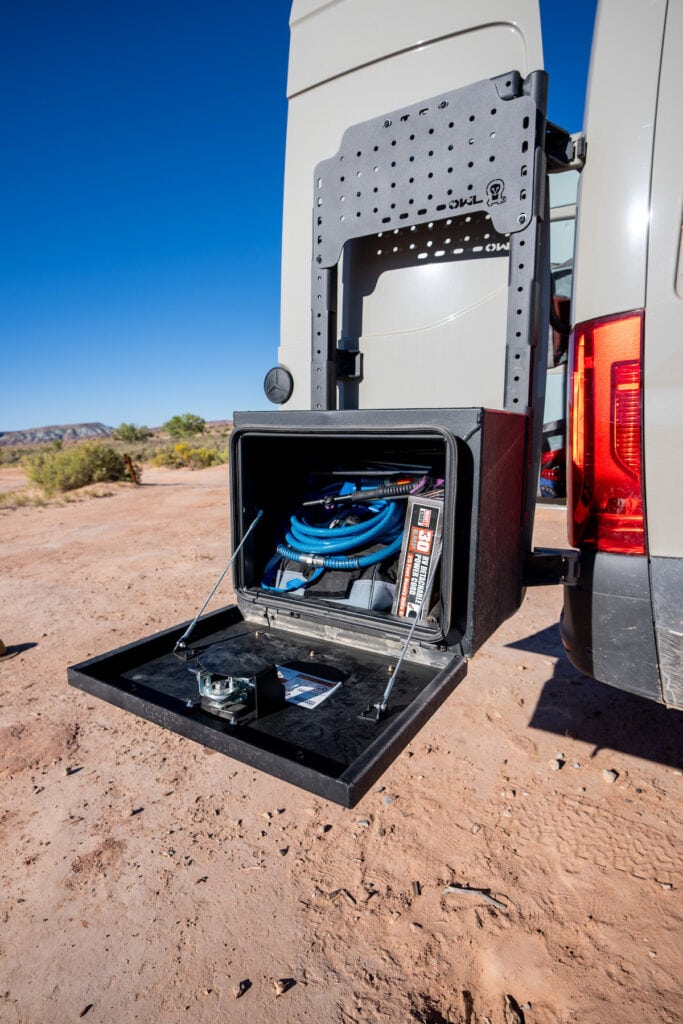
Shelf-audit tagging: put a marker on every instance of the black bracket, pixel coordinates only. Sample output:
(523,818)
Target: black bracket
(373,712)
(349,365)
(545,567)
(564,152)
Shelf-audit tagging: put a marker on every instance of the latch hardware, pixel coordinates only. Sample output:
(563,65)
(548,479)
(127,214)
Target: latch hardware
(565,151)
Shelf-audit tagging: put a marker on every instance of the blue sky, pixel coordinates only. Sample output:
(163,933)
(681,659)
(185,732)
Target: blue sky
(141,188)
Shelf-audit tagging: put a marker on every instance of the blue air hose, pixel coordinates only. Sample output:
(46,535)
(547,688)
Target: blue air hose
(336,543)
(342,562)
(317,540)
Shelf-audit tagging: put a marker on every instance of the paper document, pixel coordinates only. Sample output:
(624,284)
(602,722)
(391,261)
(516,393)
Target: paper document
(304,690)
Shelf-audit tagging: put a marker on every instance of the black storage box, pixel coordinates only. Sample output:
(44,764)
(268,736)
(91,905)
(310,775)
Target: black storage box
(332,750)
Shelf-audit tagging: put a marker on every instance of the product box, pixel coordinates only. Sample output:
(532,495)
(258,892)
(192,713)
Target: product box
(420,552)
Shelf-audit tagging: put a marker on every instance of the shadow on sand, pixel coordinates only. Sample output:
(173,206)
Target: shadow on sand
(572,704)
(13,649)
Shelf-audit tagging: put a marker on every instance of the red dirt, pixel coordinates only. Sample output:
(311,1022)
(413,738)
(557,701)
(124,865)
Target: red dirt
(143,879)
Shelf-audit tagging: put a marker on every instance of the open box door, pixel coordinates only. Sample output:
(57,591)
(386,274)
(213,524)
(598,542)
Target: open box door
(330,663)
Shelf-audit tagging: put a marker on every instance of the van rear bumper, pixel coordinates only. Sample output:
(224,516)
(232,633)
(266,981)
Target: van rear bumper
(607,623)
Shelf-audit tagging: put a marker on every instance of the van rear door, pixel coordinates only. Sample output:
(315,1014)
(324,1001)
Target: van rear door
(352,61)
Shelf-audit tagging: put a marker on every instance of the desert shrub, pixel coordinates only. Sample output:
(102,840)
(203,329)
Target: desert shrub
(11,455)
(129,432)
(200,458)
(170,455)
(87,463)
(186,425)
(183,455)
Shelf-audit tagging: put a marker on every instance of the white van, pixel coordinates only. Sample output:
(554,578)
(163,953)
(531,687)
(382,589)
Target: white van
(623,620)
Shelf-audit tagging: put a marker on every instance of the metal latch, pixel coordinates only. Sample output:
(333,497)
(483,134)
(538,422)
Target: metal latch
(565,151)
(238,699)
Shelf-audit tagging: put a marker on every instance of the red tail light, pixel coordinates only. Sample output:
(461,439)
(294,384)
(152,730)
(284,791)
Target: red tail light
(605,470)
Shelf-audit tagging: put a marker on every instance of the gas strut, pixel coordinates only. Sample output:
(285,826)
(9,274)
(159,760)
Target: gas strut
(377,711)
(181,648)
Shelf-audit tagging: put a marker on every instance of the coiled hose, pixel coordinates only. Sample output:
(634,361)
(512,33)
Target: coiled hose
(338,541)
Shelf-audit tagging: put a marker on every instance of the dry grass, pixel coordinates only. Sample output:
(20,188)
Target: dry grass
(10,500)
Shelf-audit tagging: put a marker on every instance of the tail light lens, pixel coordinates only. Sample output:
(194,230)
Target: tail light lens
(553,475)
(605,468)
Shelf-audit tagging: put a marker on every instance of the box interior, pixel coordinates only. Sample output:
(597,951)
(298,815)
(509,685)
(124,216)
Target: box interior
(276,471)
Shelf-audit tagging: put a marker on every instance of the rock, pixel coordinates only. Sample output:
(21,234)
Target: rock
(364,823)
(513,1012)
(609,775)
(240,988)
(556,763)
(388,800)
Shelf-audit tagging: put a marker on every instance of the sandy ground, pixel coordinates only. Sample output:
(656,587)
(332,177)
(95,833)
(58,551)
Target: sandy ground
(142,879)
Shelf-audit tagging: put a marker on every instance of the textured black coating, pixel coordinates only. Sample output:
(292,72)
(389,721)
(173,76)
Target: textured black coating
(328,750)
(474,151)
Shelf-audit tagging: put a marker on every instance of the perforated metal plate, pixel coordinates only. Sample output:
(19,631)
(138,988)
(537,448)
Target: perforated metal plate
(476,153)
(464,151)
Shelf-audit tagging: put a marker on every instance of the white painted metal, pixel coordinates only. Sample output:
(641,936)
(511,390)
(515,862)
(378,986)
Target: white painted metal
(614,192)
(351,60)
(663,365)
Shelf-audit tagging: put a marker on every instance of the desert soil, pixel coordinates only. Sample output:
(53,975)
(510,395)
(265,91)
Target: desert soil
(143,878)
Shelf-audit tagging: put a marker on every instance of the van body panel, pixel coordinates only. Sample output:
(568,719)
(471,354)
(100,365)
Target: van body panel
(409,59)
(663,356)
(330,38)
(663,368)
(622,624)
(612,223)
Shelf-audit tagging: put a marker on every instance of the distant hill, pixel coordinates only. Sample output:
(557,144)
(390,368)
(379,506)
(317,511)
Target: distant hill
(70,432)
